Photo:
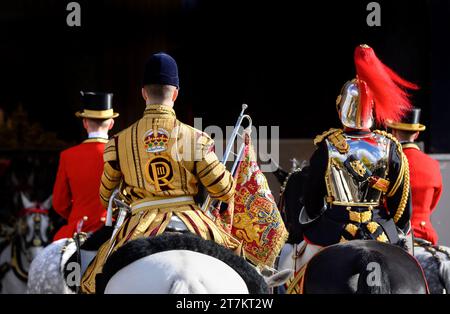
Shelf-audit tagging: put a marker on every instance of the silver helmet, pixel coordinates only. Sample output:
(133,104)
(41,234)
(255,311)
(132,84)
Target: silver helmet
(349,106)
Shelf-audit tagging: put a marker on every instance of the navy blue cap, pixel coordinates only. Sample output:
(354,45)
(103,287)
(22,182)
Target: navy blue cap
(161,69)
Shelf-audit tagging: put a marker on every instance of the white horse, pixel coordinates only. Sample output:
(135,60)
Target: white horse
(181,263)
(177,271)
(46,273)
(169,264)
(29,239)
(171,270)
(53,271)
(435,261)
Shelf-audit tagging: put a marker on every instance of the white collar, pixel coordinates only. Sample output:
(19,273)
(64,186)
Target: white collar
(98,135)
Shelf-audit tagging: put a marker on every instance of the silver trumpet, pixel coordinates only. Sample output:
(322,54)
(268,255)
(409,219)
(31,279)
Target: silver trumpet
(209,203)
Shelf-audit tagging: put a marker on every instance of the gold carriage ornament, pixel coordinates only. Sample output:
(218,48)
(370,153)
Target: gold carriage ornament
(209,205)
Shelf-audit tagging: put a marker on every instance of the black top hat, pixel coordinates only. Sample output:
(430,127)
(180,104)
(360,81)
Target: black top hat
(96,106)
(410,122)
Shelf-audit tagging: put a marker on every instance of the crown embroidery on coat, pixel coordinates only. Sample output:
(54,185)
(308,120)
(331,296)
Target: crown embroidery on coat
(156,140)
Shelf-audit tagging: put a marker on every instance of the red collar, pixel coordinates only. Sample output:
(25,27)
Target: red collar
(410,145)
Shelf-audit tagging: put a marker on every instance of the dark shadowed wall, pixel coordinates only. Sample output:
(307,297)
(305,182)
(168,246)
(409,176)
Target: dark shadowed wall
(286,59)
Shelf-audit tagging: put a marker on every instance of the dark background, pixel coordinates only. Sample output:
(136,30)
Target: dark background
(286,59)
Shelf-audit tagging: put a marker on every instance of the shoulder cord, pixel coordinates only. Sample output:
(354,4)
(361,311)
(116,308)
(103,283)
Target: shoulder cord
(403,176)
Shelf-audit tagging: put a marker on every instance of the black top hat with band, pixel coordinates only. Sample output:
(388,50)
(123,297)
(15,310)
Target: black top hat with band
(411,122)
(96,106)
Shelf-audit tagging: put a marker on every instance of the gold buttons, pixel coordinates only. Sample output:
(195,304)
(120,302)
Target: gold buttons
(423,223)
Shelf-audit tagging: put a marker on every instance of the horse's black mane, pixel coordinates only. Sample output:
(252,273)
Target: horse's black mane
(397,272)
(92,243)
(96,240)
(143,247)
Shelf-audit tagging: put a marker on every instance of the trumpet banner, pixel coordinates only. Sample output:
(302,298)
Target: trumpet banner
(256,220)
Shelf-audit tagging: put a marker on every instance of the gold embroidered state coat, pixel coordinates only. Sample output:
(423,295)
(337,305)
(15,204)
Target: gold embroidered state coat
(159,158)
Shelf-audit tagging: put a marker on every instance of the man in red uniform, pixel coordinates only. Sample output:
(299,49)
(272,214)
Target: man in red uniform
(75,194)
(425,176)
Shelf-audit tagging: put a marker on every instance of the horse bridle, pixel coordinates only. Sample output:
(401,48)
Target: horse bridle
(36,239)
(298,252)
(21,245)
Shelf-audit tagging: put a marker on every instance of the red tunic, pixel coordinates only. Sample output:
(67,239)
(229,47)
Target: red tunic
(426,188)
(76,190)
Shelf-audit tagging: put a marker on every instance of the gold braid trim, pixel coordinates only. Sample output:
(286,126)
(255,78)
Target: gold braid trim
(399,180)
(295,285)
(404,174)
(405,192)
(410,145)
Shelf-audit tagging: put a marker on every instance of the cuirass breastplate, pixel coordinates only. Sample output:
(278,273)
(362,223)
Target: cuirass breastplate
(349,174)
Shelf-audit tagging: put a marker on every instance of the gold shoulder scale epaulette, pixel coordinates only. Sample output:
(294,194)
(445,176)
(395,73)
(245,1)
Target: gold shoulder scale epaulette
(337,139)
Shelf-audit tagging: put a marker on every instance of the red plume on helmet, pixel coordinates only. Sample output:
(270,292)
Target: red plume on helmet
(380,87)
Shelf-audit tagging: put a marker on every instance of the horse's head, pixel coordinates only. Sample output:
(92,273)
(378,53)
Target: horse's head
(21,183)
(274,278)
(34,225)
(292,201)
